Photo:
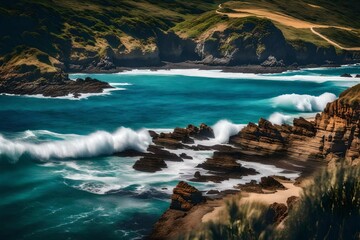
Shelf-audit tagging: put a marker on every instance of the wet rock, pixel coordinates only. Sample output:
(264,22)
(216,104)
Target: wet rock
(208,178)
(161,153)
(185,156)
(227,166)
(212,192)
(150,163)
(203,132)
(130,153)
(185,196)
(153,134)
(346,75)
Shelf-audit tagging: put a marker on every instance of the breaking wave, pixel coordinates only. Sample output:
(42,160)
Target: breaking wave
(303,103)
(96,144)
(279,118)
(224,129)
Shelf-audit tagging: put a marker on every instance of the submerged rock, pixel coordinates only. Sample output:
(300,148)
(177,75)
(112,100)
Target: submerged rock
(346,75)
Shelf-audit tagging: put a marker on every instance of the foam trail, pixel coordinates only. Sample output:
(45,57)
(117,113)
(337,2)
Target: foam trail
(95,144)
(231,75)
(279,118)
(224,129)
(303,103)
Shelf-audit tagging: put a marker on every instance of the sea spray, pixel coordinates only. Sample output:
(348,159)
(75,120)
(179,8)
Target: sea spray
(96,144)
(279,118)
(224,129)
(304,103)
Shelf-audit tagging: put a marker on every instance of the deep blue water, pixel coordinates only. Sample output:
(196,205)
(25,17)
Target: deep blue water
(87,194)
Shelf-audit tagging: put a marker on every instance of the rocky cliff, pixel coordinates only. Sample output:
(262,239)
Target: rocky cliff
(332,136)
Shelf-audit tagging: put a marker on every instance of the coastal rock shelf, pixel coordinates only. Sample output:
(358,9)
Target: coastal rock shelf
(332,136)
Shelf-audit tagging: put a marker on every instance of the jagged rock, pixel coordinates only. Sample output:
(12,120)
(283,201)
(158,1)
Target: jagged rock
(252,186)
(271,61)
(150,164)
(346,75)
(211,192)
(264,139)
(185,196)
(226,165)
(357,75)
(185,156)
(303,127)
(208,178)
(270,183)
(204,132)
(153,134)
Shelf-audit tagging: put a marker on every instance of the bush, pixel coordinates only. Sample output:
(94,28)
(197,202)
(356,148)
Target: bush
(329,209)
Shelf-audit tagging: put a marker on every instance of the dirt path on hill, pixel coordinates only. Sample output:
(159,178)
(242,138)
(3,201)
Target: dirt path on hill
(287,21)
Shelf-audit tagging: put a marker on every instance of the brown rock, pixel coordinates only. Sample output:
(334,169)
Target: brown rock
(185,197)
(277,212)
(292,202)
(227,166)
(150,163)
(270,183)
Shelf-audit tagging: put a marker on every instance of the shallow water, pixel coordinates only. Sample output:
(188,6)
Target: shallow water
(78,190)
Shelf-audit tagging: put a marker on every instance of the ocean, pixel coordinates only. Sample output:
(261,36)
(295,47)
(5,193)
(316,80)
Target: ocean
(60,180)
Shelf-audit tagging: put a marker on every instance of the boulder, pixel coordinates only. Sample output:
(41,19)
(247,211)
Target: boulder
(346,75)
(185,196)
(270,183)
(150,163)
(277,212)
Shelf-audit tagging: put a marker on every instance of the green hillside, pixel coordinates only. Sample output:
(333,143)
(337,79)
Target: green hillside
(93,35)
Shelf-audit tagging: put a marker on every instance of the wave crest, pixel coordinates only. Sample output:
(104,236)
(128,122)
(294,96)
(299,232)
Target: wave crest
(303,103)
(279,118)
(96,144)
(224,129)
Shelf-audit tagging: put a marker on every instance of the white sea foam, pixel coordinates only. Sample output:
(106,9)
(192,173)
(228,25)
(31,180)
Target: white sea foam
(303,103)
(231,75)
(120,84)
(279,118)
(95,144)
(106,92)
(224,129)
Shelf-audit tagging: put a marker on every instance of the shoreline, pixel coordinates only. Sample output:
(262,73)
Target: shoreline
(256,69)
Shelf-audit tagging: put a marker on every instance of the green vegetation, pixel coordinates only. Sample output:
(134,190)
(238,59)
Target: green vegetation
(328,209)
(337,12)
(296,34)
(344,38)
(351,96)
(195,26)
(79,30)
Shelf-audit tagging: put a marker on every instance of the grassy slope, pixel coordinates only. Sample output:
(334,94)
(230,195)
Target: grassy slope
(343,37)
(82,30)
(337,13)
(87,27)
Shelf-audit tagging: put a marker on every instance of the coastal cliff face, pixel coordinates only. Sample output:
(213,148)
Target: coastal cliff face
(334,134)
(41,41)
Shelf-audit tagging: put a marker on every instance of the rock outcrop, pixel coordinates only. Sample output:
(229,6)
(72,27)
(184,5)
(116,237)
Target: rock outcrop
(334,134)
(185,197)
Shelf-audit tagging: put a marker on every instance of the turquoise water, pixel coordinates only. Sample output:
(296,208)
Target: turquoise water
(57,176)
